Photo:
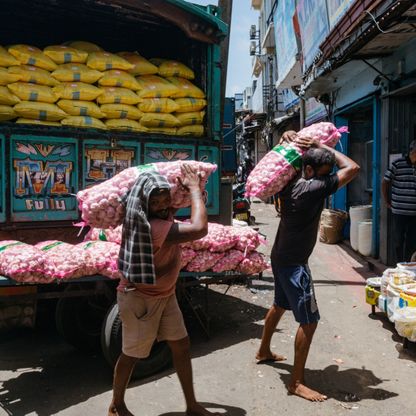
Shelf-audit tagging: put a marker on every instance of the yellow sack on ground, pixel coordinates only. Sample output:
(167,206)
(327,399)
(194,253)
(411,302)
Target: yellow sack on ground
(77,91)
(157,105)
(159,120)
(155,87)
(39,111)
(117,96)
(125,124)
(6,77)
(188,105)
(76,73)
(31,55)
(175,69)
(34,75)
(121,111)
(80,108)
(186,88)
(141,66)
(196,131)
(84,46)
(39,122)
(187,119)
(7,113)
(6,59)
(7,98)
(117,78)
(62,54)
(103,61)
(170,131)
(33,92)
(83,121)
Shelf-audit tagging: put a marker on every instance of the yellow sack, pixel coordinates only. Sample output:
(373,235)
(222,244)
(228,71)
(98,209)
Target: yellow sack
(187,119)
(121,111)
(6,59)
(39,111)
(40,122)
(171,131)
(125,124)
(7,98)
(157,61)
(34,75)
(33,92)
(31,55)
(141,66)
(188,105)
(80,108)
(116,78)
(7,77)
(7,113)
(159,120)
(186,88)
(155,87)
(77,91)
(196,131)
(84,46)
(83,121)
(77,73)
(103,61)
(117,96)
(62,54)
(175,69)
(157,105)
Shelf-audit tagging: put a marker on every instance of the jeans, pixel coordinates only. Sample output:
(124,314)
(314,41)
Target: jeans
(404,236)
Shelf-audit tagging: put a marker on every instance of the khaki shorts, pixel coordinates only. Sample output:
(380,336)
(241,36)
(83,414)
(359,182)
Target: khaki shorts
(146,320)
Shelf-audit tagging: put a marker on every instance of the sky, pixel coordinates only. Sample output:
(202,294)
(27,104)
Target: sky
(239,59)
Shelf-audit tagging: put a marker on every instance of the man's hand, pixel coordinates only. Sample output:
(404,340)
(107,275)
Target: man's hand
(191,178)
(288,137)
(307,142)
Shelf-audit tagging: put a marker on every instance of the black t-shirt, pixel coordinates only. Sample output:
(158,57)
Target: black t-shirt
(301,205)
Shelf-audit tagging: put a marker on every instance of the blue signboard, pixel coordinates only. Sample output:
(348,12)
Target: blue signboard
(44,178)
(314,27)
(286,45)
(103,159)
(2,181)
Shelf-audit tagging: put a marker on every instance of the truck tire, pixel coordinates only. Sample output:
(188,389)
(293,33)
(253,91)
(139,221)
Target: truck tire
(160,357)
(79,319)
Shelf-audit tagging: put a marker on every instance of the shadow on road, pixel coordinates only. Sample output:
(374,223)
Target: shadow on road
(349,385)
(214,407)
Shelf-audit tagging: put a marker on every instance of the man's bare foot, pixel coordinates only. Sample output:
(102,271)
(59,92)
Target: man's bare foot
(301,390)
(268,357)
(119,410)
(198,410)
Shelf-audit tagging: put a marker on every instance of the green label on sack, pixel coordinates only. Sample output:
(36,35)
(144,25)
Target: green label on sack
(49,246)
(2,248)
(291,155)
(147,167)
(102,236)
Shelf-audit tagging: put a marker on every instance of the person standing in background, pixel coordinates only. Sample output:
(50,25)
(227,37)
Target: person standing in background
(399,192)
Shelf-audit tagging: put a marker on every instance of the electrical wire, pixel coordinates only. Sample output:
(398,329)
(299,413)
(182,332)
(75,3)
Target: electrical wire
(378,26)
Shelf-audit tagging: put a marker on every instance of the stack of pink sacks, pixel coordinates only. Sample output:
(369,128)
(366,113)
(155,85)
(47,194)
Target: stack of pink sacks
(101,206)
(282,163)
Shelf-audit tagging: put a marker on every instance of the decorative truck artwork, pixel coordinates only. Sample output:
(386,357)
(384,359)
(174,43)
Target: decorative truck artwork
(44,178)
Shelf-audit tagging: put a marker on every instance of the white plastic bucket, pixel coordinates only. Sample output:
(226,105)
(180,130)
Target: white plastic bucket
(358,214)
(365,237)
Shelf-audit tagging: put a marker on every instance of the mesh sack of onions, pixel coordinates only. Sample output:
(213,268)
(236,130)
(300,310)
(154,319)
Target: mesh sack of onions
(281,164)
(100,205)
(254,263)
(112,235)
(204,260)
(22,262)
(187,255)
(247,239)
(63,260)
(230,261)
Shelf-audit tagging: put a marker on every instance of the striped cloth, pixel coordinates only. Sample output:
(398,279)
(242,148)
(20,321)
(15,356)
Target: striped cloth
(135,260)
(402,176)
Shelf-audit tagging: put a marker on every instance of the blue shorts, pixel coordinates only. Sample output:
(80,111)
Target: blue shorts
(293,290)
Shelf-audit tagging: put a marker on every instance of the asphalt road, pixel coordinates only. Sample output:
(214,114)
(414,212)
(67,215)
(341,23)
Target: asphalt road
(356,359)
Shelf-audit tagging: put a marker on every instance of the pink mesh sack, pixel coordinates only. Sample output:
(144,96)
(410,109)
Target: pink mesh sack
(112,235)
(187,255)
(229,262)
(204,261)
(254,263)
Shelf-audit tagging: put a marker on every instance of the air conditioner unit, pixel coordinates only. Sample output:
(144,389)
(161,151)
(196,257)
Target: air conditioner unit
(253,48)
(253,32)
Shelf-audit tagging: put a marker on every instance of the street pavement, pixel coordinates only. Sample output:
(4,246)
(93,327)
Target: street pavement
(356,359)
